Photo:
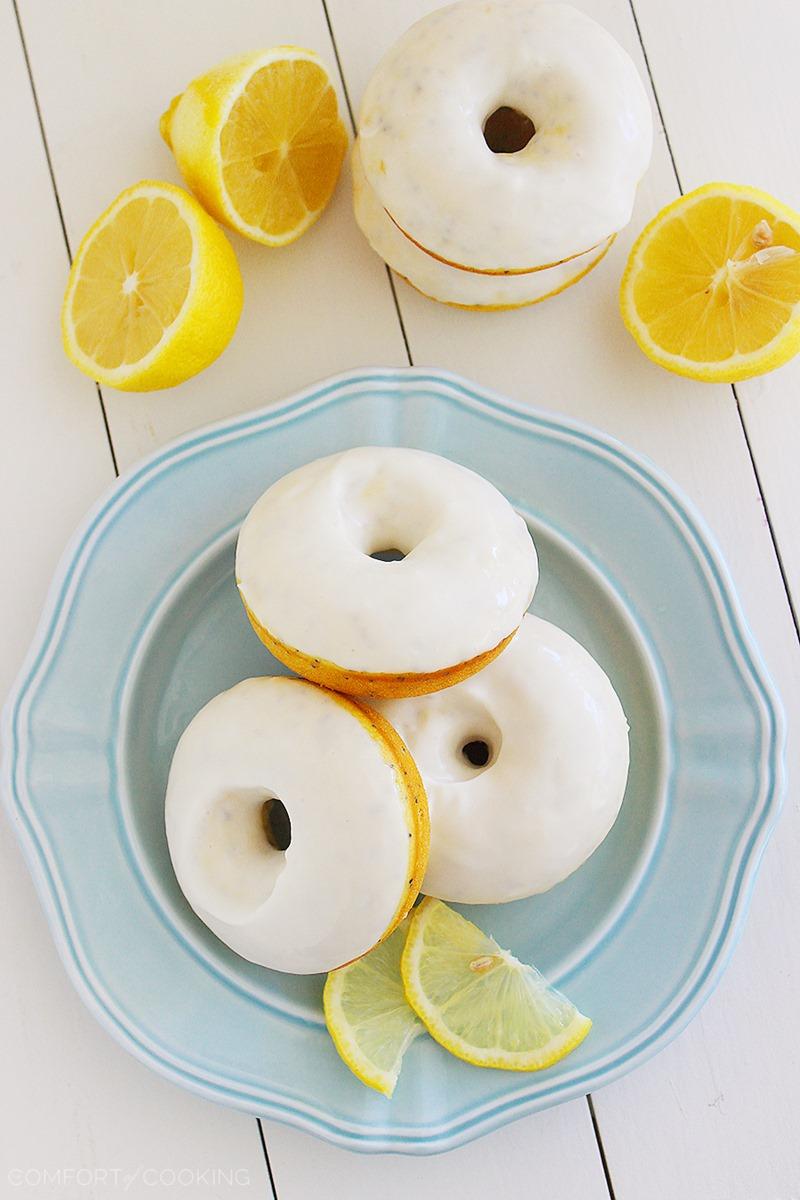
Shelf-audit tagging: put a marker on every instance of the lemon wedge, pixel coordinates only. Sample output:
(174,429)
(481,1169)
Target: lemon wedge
(154,293)
(480,1002)
(260,142)
(712,286)
(368,1016)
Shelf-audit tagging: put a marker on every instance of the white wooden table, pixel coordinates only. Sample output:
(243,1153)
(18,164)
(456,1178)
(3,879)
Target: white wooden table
(717,1115)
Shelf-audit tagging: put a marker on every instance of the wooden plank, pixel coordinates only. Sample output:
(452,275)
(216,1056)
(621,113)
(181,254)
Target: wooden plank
(731,114)
(691,431)
(104,73)
(73,1099)
(572,354)
(54,455)
(724,1104)
(552,1155)
(330,298)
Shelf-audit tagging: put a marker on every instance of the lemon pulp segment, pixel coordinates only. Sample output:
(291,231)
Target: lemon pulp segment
(368,1017)
(480,1002)
(154,293)
(712,286)
(133,282)
(260,142)
(282,146)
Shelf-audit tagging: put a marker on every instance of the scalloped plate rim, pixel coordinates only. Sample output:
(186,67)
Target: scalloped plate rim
(711,959)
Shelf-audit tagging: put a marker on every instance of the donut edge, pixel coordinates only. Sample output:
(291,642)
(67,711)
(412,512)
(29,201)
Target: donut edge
(363,684)
(412,789)
(497,271)
(487,308)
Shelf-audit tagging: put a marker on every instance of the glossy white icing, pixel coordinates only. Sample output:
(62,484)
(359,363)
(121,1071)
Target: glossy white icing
(424,153)
(449,284)
(332,894)
(554,782)
(303,562)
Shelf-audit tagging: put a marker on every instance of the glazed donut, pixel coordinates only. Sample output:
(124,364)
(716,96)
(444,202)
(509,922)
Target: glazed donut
(451,285)
(297,824)
(524,766)
(323,603)
(428,109)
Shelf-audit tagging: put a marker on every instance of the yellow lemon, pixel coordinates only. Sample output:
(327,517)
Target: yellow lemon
(368,1016)
(712,286)
(480,1002)
(154,293)
(260,142)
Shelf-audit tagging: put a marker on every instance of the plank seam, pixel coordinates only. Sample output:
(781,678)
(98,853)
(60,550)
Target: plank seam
(57,197)
(655,97)
(389,275)
(793,612)
(600,1147)
(770,527)
(266,1158)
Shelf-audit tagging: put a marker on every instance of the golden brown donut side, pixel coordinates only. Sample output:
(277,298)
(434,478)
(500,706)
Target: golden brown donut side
(362,683)
(396,753)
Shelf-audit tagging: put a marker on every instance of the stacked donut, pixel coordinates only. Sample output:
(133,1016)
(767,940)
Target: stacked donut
(438,736)
(499,148)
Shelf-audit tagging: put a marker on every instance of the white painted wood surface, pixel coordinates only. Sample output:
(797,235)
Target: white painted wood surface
(71,1100)
(320,306)
(554,1155)
(731,114)
(715,1117)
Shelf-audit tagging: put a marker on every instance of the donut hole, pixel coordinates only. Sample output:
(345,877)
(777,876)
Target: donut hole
(386,513)
(455,738)
(507,130)
(277,823)
(239,850)
(477,752)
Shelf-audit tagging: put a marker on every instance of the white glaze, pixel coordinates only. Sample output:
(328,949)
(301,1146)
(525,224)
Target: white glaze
(303,562)
(421,132)
(449,284)
(553,789)
(332,894)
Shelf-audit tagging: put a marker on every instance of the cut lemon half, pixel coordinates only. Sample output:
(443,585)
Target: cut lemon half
(480,1002)
(260,142)
(154,293)
(368,1016)
(712,286)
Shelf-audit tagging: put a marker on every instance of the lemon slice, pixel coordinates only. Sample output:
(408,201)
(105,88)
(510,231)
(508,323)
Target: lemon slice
(154,293)
(712,286)
(260,142)
(480,1002)
(368,1016)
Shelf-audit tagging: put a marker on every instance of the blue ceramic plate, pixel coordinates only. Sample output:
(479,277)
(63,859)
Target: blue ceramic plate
(144,624)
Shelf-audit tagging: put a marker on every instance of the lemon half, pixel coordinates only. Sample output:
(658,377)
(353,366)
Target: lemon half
(712,286)
(154,293)
(480,1002)
(368,1016)
(260,142)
